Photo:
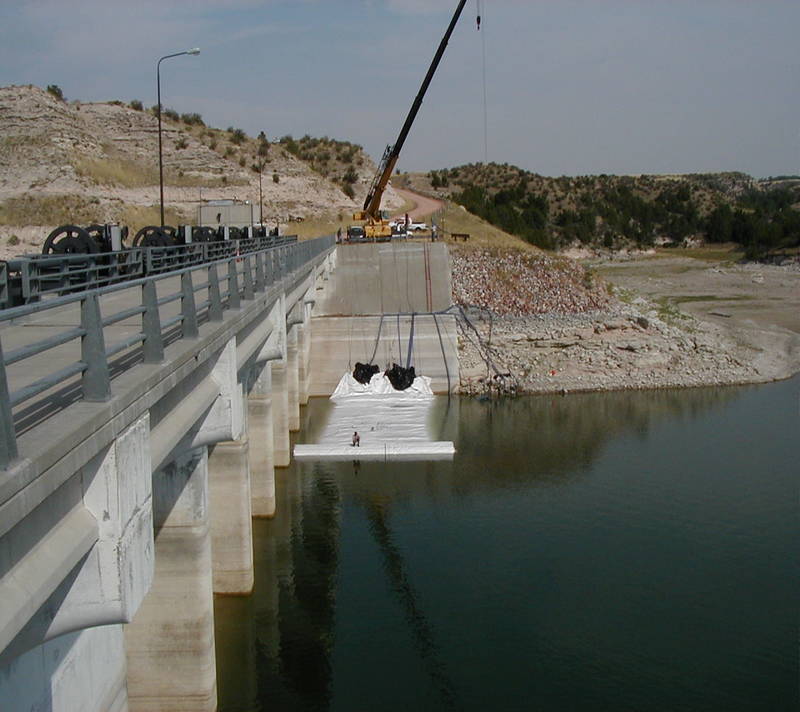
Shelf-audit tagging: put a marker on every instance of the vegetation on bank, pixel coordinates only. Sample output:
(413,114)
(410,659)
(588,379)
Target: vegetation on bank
(332,159)
(618,211)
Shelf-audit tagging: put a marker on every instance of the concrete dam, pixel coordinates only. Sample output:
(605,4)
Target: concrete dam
(141,427)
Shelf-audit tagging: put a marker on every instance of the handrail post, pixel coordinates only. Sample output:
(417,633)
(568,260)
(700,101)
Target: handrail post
(153,344)
(214,299)
(8,438)
(188,308)
(261,284)
(233,285)
(269,267)
(248,279)
(148,260)
(95,380)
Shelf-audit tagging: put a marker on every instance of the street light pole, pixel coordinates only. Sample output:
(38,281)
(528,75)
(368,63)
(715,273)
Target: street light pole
(193,51)
(261,163)
(260,199)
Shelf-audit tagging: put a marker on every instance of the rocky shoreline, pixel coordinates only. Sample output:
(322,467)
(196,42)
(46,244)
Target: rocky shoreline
(617,345)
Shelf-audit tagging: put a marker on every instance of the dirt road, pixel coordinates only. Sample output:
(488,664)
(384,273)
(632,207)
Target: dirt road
(423,205)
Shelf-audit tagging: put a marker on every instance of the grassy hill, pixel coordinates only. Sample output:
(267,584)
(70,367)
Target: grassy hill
(623,211)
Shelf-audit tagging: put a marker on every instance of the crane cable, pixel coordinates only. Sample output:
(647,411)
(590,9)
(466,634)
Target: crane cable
(399,342)
(485,119)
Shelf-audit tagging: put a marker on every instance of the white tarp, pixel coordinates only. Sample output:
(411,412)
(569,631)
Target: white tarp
(391,424)
(379,386)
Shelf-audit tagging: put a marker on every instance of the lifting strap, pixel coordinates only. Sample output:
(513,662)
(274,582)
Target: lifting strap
(410,341)
(377,340)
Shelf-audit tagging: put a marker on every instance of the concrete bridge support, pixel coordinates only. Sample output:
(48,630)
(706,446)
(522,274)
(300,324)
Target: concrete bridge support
(231,517)
(292,380)
(261,436)
(170,644)
(304,356)
(280,413)
(65,650)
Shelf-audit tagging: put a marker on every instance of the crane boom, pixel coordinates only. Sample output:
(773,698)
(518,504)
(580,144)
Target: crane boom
(372,203)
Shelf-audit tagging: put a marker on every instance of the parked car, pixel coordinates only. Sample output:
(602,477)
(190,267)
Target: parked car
(355,233)
(418,227)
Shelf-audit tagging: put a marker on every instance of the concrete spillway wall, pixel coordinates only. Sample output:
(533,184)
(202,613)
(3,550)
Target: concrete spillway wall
(365,314)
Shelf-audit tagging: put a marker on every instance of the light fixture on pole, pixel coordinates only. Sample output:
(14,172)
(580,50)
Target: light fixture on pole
(193,51)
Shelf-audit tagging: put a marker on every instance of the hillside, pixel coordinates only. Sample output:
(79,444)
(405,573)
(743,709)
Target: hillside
(95,162)
(614,212)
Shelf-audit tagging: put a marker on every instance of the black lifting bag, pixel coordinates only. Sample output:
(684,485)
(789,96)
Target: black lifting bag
(363,372)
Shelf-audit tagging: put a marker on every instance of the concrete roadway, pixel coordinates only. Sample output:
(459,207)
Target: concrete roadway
(384,278)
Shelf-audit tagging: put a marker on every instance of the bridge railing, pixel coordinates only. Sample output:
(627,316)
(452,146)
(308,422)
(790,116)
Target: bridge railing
(76,362)
(33,277)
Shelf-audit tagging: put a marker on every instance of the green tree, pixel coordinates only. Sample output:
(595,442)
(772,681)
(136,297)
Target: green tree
(55,90)
(263,145)
(719,225)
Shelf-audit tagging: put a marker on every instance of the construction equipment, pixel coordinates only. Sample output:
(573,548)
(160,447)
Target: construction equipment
(376,226)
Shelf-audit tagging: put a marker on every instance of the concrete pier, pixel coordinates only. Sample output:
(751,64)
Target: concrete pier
(280,414)
(170,643)
(292,380)
(261,436)
(231,517)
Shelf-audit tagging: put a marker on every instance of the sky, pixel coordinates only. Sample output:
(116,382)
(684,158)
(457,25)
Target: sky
(572,87)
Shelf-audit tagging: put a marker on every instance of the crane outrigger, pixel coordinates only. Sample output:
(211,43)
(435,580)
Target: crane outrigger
(376,227)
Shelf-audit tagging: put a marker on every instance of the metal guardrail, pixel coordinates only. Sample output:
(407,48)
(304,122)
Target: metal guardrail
(237,272)
(33,277)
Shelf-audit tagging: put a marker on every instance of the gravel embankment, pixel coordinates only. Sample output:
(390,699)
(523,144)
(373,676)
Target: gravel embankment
(547,326)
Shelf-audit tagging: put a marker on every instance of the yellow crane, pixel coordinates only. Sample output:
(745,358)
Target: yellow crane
(376,226)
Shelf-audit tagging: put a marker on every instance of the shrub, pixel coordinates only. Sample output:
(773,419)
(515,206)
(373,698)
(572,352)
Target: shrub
(275,178)
(13,240)
(348,191)
(263,145)
(290,145)
(171,114)
(242,161)
(136,105)
(55,91)
(237,136)
(181,143)
(192,119)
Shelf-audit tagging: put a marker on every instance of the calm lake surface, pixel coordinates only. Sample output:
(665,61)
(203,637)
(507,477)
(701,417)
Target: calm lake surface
(624,551)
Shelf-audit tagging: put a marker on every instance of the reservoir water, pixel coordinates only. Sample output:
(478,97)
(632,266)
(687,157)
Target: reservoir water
(622,551)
